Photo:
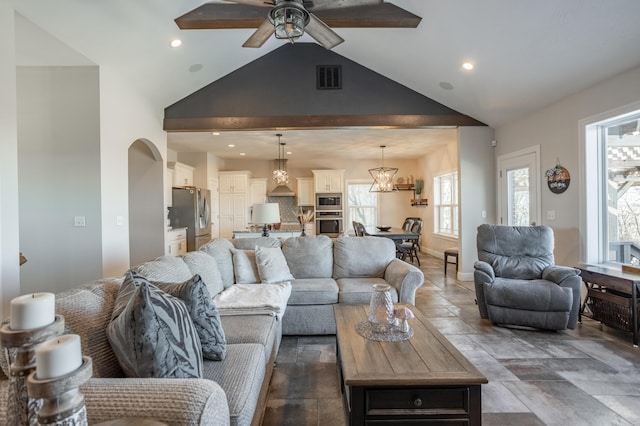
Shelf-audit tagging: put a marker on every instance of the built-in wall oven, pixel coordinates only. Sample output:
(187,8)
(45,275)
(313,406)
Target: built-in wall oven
(329,223)
(329,201)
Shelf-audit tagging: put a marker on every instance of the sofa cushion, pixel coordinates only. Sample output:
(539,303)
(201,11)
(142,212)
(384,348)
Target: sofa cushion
(272,266)
(220,250)
(262,329)
(204,265)
(313,291)
(203,314)
(245,267)
(169,269)
(240,375)
(309,257)
(357,291)
(362,257)
(252,243)
(153,336)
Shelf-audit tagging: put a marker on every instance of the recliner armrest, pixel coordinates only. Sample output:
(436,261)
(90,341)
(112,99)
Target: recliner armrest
(557,273)
(482,266)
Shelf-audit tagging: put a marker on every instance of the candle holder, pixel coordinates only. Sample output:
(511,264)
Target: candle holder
(21,409)
(62,402)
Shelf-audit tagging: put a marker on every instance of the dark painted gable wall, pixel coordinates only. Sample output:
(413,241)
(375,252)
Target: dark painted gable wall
(279,90)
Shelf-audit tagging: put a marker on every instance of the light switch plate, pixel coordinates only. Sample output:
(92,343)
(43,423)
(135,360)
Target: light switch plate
(79,221)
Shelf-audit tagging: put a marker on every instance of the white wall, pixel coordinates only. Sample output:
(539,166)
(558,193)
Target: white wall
(125,116)
(9,237)
(556,129)
(59,176)
(477,191)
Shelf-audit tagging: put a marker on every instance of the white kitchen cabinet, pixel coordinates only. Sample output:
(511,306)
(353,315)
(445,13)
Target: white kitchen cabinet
(177,242)
(182,174)
(328,180)
(258,191)
(234,202)
(234,182)
(306,195)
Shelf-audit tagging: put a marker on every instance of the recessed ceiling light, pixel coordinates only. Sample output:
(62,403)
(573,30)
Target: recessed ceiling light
(175,42)
(242,153)
(216,133)
(289,152)
(231,145)
(468,66)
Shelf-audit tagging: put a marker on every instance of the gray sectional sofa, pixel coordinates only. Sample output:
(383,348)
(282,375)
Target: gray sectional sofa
(322,272)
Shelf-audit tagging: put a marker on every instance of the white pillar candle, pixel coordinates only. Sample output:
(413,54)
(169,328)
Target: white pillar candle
(58,356)
(32,311)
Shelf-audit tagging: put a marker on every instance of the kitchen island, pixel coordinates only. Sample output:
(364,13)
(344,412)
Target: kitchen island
(285,231)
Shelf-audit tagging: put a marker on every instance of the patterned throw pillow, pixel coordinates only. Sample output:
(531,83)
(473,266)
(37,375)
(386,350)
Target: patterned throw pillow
(244,266)
(203,313)
(272,265)
(153,335)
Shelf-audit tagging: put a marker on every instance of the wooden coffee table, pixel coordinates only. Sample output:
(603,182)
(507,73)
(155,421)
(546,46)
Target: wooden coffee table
(421,379)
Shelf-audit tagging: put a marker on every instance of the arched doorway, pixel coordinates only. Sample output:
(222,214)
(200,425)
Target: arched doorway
(146,202)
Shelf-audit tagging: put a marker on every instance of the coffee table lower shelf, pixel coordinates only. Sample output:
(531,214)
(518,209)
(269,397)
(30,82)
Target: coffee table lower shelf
(422,380)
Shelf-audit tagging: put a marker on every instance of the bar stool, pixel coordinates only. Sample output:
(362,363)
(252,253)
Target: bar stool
(451,252)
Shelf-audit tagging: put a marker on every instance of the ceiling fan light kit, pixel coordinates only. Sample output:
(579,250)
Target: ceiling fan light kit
(289,19)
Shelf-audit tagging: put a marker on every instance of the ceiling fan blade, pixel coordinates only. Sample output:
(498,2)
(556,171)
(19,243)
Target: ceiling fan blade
(337,4)
(322,33)
(261,3)
(261,35)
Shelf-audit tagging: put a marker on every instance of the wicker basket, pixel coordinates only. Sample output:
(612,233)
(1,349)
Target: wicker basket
(611,308)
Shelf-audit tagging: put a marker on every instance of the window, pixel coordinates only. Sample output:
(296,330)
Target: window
(615,150)
(362,205)
(445,214)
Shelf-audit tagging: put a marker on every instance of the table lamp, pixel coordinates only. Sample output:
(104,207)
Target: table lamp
(267,213)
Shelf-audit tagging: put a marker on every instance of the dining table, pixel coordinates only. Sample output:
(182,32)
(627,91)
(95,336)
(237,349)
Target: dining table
(393,233)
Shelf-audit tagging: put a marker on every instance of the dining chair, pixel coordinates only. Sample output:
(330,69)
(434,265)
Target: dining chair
(411,246)
(359,229)
(408,222)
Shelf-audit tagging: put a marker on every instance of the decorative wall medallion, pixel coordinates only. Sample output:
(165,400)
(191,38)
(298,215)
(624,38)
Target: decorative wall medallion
(558,179)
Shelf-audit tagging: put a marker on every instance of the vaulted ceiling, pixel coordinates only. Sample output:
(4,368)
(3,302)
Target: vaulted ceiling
(527,53)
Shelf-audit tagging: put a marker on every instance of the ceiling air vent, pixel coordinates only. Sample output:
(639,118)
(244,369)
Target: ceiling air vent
(329,77)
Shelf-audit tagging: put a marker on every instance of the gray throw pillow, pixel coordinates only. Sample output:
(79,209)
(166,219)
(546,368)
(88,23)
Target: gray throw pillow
(245,267)
(153,336)
(220,250)
(204,265)
(203,313)
(272,266)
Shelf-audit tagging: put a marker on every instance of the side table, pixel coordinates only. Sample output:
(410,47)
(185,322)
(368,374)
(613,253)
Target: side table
(612,297)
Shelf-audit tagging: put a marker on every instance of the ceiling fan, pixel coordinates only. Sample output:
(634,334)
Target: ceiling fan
(290,19)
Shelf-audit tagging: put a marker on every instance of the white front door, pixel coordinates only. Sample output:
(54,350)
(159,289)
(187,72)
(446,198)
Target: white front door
(519,187)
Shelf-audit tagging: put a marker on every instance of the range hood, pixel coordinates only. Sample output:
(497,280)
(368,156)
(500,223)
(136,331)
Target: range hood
(281,190)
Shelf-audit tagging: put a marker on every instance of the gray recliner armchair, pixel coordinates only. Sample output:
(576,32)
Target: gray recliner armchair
(517,282)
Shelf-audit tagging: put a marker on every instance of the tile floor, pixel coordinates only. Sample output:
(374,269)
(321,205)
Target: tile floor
(587,376)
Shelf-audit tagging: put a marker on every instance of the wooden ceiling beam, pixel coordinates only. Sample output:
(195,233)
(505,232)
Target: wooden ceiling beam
(309,122)
(225,16)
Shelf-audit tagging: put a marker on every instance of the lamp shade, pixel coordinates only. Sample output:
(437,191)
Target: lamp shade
(266,213)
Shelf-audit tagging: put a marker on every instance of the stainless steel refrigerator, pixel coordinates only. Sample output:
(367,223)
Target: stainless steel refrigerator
(191,209)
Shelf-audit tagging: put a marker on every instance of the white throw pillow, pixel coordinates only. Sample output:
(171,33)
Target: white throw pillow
(272,265)
(244,266)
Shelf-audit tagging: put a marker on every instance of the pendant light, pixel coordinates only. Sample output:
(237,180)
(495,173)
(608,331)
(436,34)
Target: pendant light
(383,177)
(280,175)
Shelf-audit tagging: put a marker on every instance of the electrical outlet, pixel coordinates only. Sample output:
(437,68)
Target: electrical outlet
(551,215)
(119,220)
(79,221)
(484,214)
